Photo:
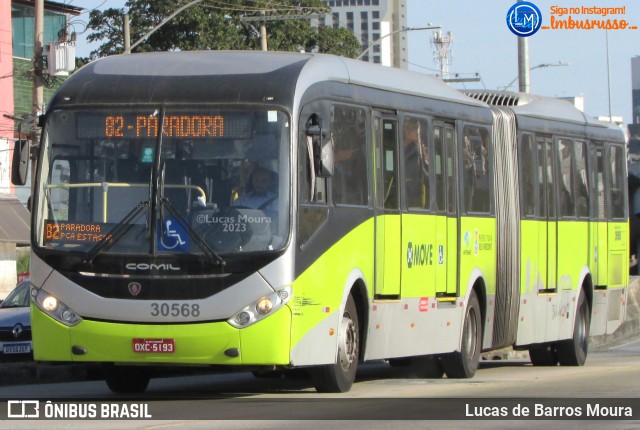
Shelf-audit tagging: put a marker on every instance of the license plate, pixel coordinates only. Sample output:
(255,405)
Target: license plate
(161,346)
(17,348)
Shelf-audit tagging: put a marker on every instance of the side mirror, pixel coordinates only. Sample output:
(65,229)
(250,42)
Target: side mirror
(322,147)
(20,162)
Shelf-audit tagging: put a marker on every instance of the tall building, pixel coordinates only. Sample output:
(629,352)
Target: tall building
(635,88)
(633,161)
(374,22)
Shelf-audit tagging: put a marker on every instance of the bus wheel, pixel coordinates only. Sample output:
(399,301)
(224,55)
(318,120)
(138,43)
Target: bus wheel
(543,355)
(127,379)
(464,363)
(338,377)
(573,352)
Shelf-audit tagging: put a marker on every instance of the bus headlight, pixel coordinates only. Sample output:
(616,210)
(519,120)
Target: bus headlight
(55,308)
(261,308)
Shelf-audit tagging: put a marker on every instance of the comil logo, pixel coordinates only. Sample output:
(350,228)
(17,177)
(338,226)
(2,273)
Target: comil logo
(524,19)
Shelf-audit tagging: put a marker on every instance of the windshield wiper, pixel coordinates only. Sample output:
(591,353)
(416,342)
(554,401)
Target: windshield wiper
(213,256)
(114,235)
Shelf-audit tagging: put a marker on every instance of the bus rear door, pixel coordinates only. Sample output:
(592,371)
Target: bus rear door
(447,211)
(598,249)
(548,233)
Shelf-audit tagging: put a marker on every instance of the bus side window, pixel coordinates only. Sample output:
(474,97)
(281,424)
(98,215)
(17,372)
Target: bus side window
(598,202)
(475,164)
(566,168)
(528,179)
(415,143)
(350,170)
(616,174)
(438,140)
(582,180)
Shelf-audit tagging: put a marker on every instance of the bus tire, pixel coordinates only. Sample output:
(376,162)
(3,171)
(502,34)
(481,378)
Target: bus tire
(339,377)
(573,352)
(543,355)
(127,379)
(464,363)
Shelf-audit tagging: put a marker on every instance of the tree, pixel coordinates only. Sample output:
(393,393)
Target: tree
(216,25)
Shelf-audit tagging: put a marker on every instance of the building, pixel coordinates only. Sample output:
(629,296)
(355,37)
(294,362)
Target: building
(17,36)
(634,163)
(16,88)
(14,231)
(374,23)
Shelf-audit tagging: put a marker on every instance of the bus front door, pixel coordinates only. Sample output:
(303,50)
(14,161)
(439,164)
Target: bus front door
(387,210)
(447,211)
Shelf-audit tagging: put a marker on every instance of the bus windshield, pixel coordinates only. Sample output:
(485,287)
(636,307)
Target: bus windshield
(154,181)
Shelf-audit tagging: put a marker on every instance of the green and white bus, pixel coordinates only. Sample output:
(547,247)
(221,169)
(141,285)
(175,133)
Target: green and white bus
(398,219)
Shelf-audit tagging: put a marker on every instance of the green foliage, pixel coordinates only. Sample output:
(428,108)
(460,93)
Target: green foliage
(218,25)
(22,260)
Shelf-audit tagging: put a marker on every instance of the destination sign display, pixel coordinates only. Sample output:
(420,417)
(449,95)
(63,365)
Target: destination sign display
(136,125)
(74,232)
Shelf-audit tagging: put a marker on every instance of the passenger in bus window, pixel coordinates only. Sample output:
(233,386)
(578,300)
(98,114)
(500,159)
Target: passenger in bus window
(416,156)
(260,193)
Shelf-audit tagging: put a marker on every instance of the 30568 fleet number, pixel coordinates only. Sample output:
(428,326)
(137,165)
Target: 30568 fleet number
(175,310)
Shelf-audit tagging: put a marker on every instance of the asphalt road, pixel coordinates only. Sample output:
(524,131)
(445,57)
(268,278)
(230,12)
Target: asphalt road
(381,395)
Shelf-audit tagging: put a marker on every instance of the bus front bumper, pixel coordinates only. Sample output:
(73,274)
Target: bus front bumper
(266,342)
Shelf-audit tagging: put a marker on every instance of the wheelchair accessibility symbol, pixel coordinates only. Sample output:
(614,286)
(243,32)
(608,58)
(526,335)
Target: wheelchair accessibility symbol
(172,236)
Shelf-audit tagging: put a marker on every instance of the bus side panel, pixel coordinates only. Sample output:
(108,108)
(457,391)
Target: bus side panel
(609,301)
(533,277)
(478,255)
(319,295)
(618,240)
(478,250)
(421,255)
(546,314)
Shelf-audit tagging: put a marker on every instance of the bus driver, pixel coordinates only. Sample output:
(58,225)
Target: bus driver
(260,191)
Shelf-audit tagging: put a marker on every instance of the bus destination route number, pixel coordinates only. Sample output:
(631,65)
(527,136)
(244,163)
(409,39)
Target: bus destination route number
(162,346)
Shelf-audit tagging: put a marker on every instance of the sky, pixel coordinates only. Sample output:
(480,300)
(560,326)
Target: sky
(483,44)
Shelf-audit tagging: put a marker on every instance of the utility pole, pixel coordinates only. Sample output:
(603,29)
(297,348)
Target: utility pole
(38,60)
(263,18)
(127,34)
(37,107)
(523,64)
(263,32)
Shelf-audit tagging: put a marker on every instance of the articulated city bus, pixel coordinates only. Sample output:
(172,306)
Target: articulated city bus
(272,211)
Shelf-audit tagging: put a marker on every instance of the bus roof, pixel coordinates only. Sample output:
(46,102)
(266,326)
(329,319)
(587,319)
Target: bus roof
(548,114)
(233,76)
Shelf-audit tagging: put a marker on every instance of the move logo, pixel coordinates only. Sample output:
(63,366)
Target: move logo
(524,19)
(419,254)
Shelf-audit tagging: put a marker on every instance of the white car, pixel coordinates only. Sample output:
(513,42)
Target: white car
(15,324)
